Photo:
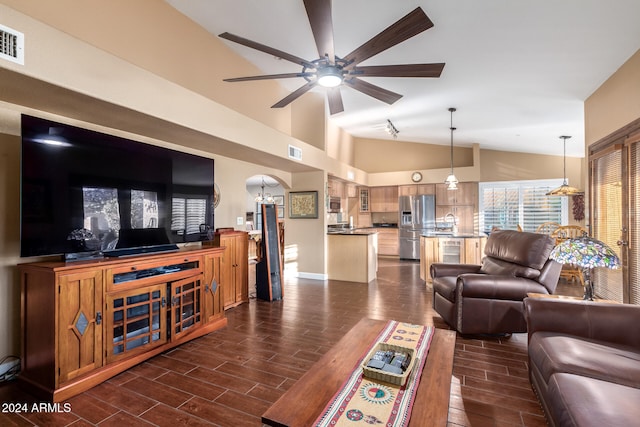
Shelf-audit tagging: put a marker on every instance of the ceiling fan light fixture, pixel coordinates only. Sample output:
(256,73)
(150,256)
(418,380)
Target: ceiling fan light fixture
(565,189)
(329,76)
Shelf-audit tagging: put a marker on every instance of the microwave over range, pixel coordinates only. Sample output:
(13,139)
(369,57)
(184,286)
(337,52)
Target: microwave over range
(335,204)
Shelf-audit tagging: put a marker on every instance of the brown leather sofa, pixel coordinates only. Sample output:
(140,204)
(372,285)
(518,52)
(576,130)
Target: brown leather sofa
(584,361)
(488,298)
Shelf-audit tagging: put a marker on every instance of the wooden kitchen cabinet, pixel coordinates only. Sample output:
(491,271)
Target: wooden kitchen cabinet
(336,188)
(384,199)
(415,189)
(466,194)
(471,252)
(429,253)
(234,267)
(388,241)
(462,203)
(474,249)
(363,198)
(85,322)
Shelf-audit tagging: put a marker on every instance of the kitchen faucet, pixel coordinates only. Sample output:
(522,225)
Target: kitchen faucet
(454,227)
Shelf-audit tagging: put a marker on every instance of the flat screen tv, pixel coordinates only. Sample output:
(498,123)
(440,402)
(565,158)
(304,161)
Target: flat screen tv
(88,194)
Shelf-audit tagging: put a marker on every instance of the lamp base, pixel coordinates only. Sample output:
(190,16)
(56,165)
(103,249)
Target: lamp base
(588,291)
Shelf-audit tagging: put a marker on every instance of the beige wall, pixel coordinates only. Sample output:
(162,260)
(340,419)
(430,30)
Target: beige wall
(9,244)
(122,82)
(187,54)
(305,238)
(379,155)
(508,166)
(615,103)
(307,119)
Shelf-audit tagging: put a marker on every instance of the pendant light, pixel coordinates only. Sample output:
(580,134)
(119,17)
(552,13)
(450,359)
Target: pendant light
(262,197)
(565,189)
(451,179)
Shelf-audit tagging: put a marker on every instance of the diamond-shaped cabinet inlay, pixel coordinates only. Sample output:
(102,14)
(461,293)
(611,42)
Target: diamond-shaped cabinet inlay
(82,323)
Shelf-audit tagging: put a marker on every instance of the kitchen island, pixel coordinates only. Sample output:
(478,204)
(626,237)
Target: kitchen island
(352,255)
(453,248)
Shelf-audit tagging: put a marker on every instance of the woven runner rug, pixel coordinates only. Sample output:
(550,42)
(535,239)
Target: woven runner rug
(362,401)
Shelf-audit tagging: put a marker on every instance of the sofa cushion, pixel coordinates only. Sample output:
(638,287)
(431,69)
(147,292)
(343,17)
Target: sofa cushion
(527,249)
(446,287)
(554,353)
(581,401)
(498,267)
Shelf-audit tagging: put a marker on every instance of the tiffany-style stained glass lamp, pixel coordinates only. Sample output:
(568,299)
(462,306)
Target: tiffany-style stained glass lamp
(586,253)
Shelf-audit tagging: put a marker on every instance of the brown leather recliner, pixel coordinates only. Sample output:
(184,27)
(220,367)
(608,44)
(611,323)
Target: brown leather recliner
(488,298)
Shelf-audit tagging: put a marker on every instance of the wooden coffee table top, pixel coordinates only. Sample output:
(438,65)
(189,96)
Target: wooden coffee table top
(305,400)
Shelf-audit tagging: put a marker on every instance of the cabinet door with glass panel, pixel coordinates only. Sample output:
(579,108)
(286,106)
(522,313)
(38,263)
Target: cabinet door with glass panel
(185,306)
(136,321)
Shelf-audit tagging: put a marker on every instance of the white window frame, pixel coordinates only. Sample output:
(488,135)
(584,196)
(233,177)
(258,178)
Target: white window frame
(519,185)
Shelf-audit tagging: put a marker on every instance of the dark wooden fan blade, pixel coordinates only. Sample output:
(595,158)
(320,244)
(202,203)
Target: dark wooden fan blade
(319,13)
(408,70)
(269,77)
(294,95)
(266,49)
(335,100)
(372,90)
(411,24)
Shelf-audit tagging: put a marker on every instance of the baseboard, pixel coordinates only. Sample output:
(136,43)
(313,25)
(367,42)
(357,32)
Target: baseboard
(303,275)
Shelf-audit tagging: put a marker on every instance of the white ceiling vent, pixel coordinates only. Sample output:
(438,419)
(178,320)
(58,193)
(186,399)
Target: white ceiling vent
(11,45)
(295,153)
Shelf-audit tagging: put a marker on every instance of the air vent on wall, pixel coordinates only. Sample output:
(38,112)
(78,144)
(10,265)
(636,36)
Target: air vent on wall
(295,152)
(11,45)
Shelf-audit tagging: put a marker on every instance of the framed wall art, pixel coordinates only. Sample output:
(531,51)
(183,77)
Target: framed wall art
(303,204)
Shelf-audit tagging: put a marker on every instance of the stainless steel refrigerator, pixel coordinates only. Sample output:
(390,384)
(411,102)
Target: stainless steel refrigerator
(417,216)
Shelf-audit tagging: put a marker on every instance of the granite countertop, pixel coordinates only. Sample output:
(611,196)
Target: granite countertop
(354,232)
(451,235)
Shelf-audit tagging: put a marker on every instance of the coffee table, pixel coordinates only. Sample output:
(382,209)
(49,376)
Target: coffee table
(305,400)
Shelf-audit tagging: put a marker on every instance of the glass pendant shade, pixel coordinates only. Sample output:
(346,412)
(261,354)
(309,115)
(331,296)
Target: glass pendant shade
(451,179)
(565,189)
(452,182)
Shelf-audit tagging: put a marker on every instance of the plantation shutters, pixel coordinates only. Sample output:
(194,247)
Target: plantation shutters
(506,205)
(187,214)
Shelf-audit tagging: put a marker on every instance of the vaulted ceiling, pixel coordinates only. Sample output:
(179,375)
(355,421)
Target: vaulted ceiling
(518,72)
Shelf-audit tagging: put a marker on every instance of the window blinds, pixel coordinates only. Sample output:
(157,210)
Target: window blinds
(634,229)
(607,219)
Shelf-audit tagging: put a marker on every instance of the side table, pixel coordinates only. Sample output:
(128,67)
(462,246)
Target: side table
(537,295)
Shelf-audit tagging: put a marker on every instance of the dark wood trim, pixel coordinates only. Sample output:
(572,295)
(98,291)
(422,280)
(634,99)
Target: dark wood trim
(619,134)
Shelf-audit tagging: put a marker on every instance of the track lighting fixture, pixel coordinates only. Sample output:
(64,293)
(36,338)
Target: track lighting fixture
(391,129)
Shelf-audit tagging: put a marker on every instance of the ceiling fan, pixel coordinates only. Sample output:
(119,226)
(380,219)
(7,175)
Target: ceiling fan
(332,71)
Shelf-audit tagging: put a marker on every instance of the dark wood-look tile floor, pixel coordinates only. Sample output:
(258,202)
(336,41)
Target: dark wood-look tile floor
(230,377)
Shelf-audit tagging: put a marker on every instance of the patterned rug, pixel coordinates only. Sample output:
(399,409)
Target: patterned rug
(363,401)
